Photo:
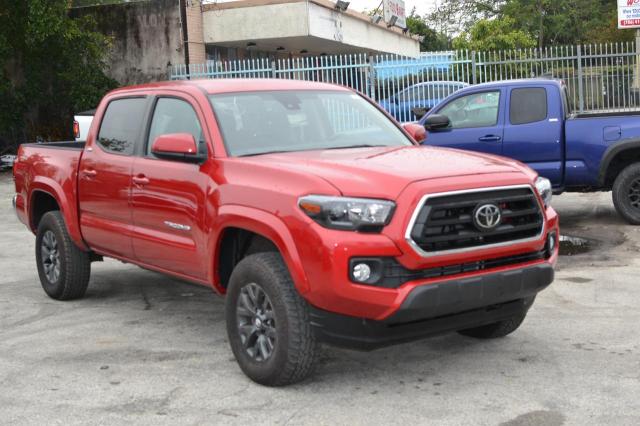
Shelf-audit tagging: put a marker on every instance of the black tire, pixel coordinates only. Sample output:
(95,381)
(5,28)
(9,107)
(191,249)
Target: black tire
(497,329)
(73,265)
(293,345)
(626,194)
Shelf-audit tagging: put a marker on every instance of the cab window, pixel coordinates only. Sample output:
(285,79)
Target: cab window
(120,127)
(175,116)
(528,105)
(475,110)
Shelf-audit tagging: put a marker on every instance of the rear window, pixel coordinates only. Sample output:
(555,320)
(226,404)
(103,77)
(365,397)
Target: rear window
(120,126)
(528,105)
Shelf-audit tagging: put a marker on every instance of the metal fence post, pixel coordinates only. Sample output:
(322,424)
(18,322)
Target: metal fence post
(371,77)
(474,77)
(580,81)
(273,69)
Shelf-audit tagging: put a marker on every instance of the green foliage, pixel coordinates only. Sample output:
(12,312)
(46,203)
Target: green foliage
(83,3)
(432,40)
(548,22)
(51,66)
(451,17)
(494,34)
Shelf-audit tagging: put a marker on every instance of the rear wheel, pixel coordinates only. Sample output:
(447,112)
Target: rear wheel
(626,194)
(63,268)
(497,329)
(268,322)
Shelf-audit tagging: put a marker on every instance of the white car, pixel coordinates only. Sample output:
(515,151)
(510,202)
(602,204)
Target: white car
(6,161)
(82,124)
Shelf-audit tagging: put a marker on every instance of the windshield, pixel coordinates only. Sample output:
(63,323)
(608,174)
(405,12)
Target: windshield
(255,123)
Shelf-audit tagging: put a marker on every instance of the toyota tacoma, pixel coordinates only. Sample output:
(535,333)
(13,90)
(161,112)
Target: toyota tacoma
(318,216)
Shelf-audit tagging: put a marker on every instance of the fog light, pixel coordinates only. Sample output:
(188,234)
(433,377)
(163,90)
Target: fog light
(361,272)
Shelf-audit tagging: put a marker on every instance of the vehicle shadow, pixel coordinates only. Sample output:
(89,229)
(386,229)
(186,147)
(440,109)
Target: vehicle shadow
(186,313)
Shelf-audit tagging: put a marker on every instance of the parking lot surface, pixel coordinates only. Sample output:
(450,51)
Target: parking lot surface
(149,349)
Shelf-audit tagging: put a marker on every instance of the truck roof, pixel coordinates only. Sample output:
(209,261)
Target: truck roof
(229,85)
(520,82)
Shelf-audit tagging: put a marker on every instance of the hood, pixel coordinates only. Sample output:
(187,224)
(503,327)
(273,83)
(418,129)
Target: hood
(384,172)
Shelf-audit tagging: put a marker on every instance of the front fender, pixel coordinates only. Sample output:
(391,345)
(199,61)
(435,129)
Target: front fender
(68,207)
(266,225)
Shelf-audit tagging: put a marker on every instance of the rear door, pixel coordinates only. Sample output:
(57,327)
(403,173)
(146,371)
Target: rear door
(476,122)
(169,197)
(104,181)
(533,130)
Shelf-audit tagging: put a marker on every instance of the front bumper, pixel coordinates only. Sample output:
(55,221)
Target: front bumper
(439,308)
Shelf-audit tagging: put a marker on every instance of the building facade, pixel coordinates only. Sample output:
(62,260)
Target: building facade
(151,35)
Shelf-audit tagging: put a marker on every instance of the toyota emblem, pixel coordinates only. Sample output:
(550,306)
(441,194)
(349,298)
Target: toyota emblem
(487,217)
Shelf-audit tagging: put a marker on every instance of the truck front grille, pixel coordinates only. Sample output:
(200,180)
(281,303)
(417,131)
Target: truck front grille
(462,221)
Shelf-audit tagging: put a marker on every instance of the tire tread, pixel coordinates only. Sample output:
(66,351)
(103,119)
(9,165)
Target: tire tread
(76,263)
(496,330)
(302,346)
(619,195)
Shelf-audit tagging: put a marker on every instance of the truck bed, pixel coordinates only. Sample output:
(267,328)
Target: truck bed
(603,114)
(58,145)
(43,168)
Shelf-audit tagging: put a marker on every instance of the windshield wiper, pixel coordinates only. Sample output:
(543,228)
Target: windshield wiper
(253,154)
(312,149)
(356,146)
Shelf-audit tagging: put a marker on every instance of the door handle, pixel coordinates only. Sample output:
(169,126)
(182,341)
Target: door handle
(89,173)
(140,180)
(490,138)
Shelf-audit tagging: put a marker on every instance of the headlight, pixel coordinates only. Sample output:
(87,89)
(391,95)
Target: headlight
(543,186)
(351,214)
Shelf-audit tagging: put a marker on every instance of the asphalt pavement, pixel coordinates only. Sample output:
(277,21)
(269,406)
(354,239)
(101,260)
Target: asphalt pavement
(148,349)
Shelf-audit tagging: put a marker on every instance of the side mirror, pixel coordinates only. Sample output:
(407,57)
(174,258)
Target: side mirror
(420,112)
(417,132)
(437,122)
(177,146)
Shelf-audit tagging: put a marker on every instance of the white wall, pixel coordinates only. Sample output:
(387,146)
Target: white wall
(333,25)
(255,23)
(302,19)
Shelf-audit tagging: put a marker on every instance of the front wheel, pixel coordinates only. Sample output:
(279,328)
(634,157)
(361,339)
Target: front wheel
(63,268)
(268,322)
(626,194)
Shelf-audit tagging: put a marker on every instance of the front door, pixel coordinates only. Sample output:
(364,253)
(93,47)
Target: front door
(104,181)
(169,197)
(476,123)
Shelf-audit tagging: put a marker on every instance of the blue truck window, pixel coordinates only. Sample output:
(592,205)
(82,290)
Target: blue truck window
(528,105)
(475,110)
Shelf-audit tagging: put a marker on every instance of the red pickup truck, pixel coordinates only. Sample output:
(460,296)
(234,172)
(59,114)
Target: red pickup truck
(316,214)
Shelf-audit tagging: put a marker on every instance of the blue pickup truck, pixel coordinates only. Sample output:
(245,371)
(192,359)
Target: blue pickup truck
(531,121)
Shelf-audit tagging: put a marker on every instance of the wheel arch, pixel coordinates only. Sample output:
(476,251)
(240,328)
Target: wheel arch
(615,159)
(259,231)
(46,194)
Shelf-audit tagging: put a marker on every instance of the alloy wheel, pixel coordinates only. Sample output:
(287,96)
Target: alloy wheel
(256,322)
(634,193)
(50,256)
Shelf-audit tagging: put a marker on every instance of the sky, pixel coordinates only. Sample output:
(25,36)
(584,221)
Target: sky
(422,6)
